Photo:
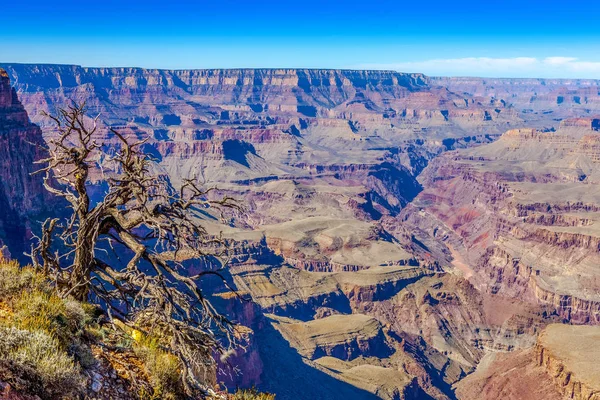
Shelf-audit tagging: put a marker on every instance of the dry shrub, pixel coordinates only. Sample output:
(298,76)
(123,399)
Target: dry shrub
(38,357)
(163,368)
(39,311)
(14,279)
(251,394)
(39,336)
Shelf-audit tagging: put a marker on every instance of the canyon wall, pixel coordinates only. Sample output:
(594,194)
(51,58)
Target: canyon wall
(569,355)
(21,194)
(523,210)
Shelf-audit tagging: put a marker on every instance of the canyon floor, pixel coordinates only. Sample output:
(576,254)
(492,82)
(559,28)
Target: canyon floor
(404,237)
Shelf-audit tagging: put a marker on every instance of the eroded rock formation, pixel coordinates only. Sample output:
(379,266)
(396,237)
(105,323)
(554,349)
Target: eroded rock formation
(569,354)
(523,210)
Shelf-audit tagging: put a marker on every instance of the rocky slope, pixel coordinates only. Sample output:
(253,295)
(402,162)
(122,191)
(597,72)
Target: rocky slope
(513,376)
(518,219)
(562,365)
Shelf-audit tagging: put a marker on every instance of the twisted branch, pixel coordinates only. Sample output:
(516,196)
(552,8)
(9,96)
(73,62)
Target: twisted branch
(127,250)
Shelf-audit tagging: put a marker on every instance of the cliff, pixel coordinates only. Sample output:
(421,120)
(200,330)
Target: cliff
(54,76)
(569,355)
(304,92)
(366,99)
(21,195)
(524,212)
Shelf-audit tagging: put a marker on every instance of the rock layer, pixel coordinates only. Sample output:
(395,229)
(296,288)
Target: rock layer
(570,356)
(524,211)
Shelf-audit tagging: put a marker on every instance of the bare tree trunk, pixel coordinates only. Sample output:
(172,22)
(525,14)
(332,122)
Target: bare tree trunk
(83,263)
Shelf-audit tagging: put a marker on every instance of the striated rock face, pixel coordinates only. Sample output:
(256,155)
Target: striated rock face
(565,98)
(511,376)
(434,325)
(344,337)
(569,354)
(524,211)
(519,219)
(223,83)
(21,195)
(287,291)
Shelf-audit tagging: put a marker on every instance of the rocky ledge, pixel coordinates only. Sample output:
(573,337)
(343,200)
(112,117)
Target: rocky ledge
(570,356)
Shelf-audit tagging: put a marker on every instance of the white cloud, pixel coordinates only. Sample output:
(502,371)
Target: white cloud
(559,60)
(549,67)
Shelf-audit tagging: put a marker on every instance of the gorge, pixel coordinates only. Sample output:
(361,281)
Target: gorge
(404,236)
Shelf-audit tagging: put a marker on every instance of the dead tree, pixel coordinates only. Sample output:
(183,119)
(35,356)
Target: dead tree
(126,250)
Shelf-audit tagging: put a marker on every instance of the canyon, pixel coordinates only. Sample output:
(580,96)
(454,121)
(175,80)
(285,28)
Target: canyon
(404,236)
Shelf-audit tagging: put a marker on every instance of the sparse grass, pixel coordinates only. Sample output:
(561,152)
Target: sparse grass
(251,394)
(163,368)
(14,279)
(45,344)
(39,311)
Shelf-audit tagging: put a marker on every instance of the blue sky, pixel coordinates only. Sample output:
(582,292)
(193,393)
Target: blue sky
(527,38)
